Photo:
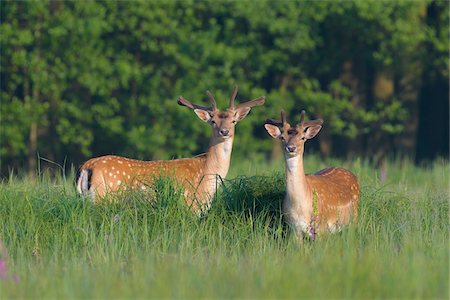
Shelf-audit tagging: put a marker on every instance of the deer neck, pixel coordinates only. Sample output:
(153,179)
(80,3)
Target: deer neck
(298,192)
(218,157)
(215,169)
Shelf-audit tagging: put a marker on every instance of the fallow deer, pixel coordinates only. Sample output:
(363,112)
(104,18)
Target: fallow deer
(200,176)
(316,202)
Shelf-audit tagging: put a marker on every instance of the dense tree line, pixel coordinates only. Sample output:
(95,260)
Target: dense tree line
(80,79)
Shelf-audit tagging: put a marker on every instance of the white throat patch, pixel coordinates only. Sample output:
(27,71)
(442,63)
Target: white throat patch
(228,145)
(292,163)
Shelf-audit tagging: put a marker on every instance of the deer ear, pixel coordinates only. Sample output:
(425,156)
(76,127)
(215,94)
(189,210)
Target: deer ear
(202,114)
(273,130)
(312,131)
(242,112)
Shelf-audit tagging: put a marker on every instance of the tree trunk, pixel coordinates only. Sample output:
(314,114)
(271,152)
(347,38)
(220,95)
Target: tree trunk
(325,143)
(34,82)
(409,92)
(433,130)
(32,148)
(350,78)
(276,153)
(383,91)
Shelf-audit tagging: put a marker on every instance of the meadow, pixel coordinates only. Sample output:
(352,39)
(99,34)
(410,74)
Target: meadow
(56,244)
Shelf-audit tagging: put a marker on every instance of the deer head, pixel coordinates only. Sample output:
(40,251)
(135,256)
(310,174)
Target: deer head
(223,123)
(293,138)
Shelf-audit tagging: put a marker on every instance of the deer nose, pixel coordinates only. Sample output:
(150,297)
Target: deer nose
(224,132)
(291,148)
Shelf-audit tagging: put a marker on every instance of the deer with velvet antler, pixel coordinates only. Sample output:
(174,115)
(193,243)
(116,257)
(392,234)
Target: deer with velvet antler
(324,201)
(200,176)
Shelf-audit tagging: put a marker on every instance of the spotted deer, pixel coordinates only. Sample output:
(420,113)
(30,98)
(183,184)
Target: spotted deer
(317,202)
(200,176)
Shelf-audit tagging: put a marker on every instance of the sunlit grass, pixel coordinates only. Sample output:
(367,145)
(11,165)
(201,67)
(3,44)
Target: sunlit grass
(61,246)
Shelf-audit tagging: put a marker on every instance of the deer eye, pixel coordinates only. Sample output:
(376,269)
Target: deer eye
(234,121)
(213,122)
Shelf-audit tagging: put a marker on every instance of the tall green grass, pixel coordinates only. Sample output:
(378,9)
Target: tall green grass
(62,246)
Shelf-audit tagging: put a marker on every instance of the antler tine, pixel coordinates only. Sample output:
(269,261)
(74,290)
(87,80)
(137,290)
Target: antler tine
(233,96)
(255,102)
(302,117)
(274,122)
(283,118)
(281,123)
(183,102)
(213,101)
(308,123)
(313,122)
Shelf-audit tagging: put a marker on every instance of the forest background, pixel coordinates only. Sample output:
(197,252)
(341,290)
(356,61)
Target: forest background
(89,78)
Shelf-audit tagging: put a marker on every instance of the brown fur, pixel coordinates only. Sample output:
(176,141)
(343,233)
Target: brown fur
(337,192)
(334,192)
(112,173)
(199,176)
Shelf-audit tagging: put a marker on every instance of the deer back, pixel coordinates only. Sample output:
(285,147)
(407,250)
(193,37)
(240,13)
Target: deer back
(336,192)
(111,173)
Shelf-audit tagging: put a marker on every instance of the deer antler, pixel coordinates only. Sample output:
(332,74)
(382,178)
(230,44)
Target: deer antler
(281,123)
(213,101)
(274,122)
(308,123)
(302,116)
(183,102)
(233,96)
(283,117)
(255,102)
(313,122)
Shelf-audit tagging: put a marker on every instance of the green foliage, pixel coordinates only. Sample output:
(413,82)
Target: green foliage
(61,246)
(103,77)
